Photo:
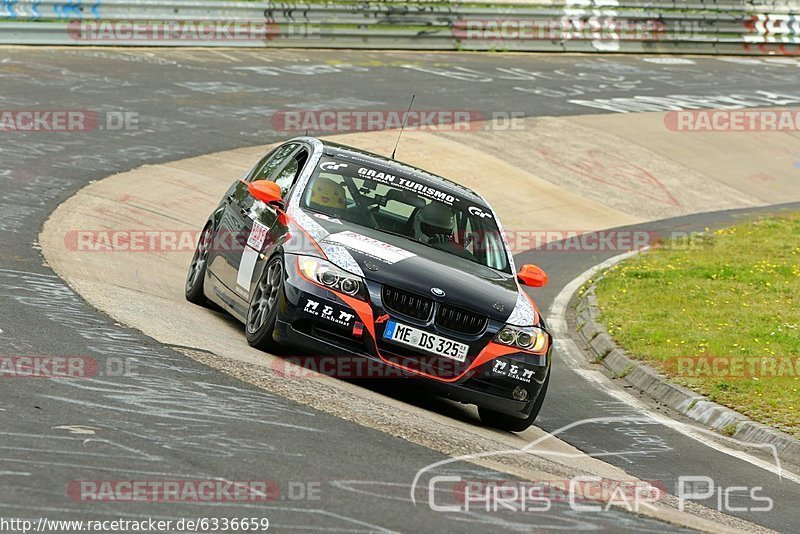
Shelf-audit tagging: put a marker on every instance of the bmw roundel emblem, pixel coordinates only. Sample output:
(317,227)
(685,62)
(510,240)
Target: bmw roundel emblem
(437,292)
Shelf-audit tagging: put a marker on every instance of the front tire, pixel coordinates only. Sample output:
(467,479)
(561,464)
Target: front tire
(509,422)
(193,290)
(263,309)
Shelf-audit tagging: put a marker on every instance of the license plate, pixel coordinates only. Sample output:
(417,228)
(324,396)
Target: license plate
(419,339)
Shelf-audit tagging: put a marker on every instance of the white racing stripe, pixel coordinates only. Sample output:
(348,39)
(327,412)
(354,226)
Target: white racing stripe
(372,247)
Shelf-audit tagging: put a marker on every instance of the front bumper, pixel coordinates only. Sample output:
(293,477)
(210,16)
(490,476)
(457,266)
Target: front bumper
(335,336)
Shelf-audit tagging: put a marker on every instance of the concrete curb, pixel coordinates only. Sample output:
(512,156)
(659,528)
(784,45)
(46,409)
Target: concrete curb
(599,344)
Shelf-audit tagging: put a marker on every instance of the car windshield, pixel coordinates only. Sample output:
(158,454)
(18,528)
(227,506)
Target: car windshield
(402,205)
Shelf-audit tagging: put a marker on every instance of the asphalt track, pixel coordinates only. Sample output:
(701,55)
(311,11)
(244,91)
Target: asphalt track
(181,420)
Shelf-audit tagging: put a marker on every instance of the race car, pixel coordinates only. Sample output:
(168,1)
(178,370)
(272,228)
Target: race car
(343,253)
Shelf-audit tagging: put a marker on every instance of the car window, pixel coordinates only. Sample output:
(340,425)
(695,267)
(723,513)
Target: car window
(272,162)
(393,203)
(288,174)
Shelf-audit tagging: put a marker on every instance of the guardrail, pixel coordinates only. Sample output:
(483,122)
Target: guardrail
(654,26)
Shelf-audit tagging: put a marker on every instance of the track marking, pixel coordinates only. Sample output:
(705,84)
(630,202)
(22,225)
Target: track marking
(572,354)
(226,56)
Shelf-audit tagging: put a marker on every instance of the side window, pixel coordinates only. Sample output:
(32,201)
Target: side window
(286,177)
(272,162)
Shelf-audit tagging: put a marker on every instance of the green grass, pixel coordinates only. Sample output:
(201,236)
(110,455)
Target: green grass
(735,297)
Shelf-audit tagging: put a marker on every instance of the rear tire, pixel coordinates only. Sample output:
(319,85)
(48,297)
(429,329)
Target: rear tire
(509,422)
(262,311)
(193,290)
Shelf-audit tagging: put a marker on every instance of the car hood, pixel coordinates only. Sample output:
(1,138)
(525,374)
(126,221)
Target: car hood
(412,266)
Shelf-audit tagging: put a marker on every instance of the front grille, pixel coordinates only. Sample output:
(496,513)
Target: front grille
(459,320)
(449,317)
(407,304)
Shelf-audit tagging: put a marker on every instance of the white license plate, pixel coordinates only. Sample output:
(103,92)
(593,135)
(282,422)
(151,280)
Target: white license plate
(419,339)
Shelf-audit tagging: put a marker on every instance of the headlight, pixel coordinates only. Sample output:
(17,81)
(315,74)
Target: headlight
(506,336)
(331,276)
(527,338)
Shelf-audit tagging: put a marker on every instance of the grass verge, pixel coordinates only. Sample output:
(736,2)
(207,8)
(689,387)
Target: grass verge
(721,318)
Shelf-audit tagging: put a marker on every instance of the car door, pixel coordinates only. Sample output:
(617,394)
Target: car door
(263,224)
(236,221)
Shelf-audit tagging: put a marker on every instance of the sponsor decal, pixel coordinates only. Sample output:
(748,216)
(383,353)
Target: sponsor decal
(332,166)
(328,312)
(478,212)
(371,247)
(513,370)
(410,185)
(258,235)
(247,264)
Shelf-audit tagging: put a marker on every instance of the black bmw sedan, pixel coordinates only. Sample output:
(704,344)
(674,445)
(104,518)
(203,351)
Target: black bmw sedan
(343,253)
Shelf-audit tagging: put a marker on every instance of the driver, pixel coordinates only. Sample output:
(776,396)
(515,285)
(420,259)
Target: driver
(434,224)
(328,197)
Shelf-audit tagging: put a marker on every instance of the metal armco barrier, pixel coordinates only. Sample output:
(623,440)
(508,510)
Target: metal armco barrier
(652,26)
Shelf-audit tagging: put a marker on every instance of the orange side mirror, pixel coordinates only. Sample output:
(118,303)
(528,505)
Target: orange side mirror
(531,275)
(265,191)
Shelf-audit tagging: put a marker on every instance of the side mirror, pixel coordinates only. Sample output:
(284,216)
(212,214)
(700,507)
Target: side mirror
(531,275)
(266,191)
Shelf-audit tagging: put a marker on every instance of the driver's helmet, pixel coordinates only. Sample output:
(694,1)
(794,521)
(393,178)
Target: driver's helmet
(434,222)
(327,195)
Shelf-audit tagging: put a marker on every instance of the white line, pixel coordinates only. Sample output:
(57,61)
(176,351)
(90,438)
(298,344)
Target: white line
(573,356)
(227,56)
